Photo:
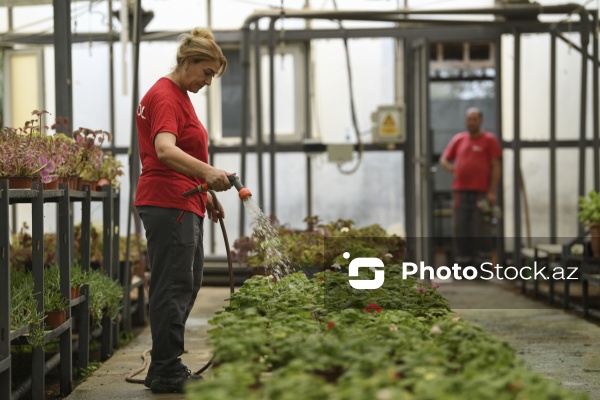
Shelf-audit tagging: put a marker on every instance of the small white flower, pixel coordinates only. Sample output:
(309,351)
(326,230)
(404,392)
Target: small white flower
(344,229)
(336,266)
(393,328)
(436,330)
(389,255)
(385,394)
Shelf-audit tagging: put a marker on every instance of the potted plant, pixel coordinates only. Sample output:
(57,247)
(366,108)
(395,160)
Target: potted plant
(105,296)
(24,307)
(78,279)
(65,158)
(110,170)
(89,155)
(589,213)
(25,155)
(54,302)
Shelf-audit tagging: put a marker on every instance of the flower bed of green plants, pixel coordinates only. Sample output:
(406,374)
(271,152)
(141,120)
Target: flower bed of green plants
(315,339)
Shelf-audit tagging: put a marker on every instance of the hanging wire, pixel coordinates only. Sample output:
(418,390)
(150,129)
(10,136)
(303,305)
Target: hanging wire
(352,105)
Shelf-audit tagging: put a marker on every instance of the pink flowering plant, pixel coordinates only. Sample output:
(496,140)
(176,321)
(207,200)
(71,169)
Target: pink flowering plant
(25,151)
(88,153)
(31,151)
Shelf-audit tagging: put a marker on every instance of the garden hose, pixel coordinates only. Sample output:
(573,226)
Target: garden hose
(243,194)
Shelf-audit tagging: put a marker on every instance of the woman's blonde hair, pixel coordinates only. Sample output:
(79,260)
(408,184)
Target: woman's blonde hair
(200,46)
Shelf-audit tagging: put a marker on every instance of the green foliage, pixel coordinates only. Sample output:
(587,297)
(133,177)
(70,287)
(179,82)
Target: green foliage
(589,208)
(53,299)
(24,307)
(105,296)
(302,339)
(89,371)
(111,169)
(78,276)
(319,245)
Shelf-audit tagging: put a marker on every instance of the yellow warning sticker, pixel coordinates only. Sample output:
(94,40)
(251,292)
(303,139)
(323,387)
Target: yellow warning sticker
(389,127)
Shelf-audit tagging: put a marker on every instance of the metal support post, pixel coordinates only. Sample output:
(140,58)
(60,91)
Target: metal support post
(65,259)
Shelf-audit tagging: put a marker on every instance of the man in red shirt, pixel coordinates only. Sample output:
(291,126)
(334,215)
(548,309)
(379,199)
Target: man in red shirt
(474,158)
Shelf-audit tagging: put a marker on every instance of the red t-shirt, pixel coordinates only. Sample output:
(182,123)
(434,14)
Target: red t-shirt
(166,108)
(472,160)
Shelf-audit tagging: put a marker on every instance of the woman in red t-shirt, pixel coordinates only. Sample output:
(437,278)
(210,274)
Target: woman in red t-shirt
(174,154)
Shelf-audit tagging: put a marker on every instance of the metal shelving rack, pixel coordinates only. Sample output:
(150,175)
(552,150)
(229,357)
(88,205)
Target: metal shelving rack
(78,309)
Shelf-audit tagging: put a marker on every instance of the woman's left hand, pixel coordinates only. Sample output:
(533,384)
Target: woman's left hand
(212,213)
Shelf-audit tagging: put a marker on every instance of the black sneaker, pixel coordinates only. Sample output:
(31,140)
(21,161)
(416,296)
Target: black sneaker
(148,381)
(149,377)
(173,383)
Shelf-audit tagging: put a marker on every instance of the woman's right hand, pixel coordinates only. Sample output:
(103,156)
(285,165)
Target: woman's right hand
(218,180)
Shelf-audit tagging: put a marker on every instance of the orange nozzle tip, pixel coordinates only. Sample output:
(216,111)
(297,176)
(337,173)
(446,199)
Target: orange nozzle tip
(244,193)
(205,187)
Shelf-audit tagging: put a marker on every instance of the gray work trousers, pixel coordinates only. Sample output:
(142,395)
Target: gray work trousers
(176,258)
(472,233)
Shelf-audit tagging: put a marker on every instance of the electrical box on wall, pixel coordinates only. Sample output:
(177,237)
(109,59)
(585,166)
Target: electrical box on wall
(389,124)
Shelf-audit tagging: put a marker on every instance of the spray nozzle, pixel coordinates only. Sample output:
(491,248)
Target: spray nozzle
(235,181)
(244,193)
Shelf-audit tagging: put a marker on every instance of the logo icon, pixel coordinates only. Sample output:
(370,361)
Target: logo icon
(365,262)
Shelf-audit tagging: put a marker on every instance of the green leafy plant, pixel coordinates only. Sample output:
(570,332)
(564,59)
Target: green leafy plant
(53,299)
(110,169)
(400,341)
(105,296)
(89,371)
(589,208)
(24,307)
(78,276)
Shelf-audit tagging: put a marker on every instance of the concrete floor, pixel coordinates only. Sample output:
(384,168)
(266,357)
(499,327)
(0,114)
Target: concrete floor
(108,382)
(552,342)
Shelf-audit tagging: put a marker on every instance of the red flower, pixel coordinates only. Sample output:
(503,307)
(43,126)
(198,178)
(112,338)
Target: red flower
(330,324)
(372,307)
(421,289)
(321,278)
(397,375)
